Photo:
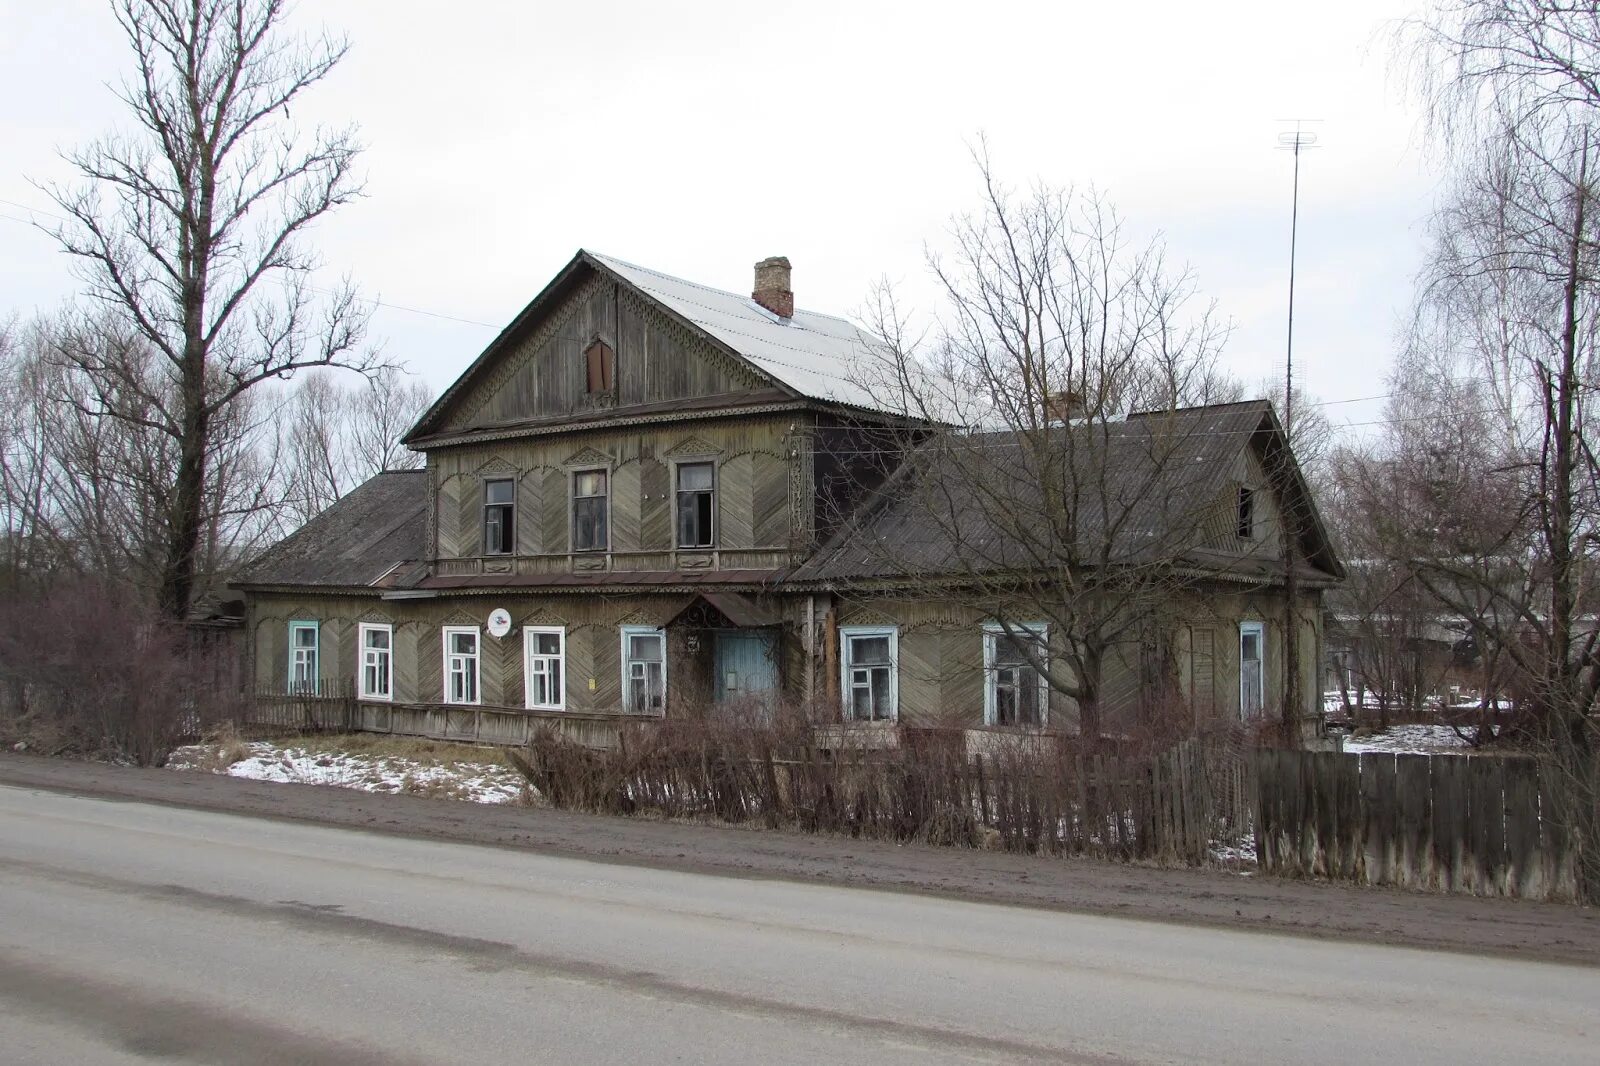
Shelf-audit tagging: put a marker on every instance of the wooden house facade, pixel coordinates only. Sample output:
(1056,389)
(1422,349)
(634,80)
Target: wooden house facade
(647,496)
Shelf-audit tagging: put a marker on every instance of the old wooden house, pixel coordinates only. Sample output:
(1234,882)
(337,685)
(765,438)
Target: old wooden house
(647,496)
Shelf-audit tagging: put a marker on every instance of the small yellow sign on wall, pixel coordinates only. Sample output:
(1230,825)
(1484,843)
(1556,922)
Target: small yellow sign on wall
(592,684)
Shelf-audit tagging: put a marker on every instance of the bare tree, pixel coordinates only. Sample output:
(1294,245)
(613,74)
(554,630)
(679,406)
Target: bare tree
(192,230)
(1044,503)
(91,494)
(338,437)
(1509,313)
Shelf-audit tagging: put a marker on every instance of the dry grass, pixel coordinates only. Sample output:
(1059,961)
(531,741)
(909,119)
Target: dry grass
(221,749)
(420,749)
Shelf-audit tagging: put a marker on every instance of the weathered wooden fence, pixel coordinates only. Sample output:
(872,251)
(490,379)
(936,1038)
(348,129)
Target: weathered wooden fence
(331,708)
(1443,823)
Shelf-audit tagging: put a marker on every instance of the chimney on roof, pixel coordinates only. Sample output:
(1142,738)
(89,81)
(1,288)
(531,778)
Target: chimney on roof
(772,286)
(1064,407)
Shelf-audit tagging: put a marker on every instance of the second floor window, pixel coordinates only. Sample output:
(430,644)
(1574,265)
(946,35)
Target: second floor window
(589,511)
(696,491)
(499,517)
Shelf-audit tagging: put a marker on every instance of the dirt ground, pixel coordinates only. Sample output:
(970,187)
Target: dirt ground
(1201,897)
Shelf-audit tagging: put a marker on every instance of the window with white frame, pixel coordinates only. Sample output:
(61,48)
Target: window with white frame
(1015,661)
(1252,674)
(644,670)
(303,655)
(461,664)
(377,661)
(543,666)
(868,659)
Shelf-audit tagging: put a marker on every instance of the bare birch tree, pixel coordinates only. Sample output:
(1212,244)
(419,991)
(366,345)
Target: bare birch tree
(1509,310)
(192,229)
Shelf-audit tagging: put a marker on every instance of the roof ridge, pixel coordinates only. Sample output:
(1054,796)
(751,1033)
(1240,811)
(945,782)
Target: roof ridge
(712,288)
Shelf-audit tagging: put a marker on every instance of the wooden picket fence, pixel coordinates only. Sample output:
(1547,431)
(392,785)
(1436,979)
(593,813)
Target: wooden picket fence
(331,708)
(1443,823)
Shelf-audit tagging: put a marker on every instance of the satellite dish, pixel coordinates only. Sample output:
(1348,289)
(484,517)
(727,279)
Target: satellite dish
(499,622)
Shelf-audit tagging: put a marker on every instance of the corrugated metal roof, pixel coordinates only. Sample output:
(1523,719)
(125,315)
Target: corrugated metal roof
(811,353)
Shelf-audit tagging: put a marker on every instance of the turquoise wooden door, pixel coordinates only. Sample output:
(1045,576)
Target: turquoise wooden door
(746,665)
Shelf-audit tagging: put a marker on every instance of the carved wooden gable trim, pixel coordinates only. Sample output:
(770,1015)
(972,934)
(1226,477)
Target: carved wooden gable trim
(588,457)
(694,446)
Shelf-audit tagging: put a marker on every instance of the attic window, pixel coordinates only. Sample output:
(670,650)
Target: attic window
(600,366)
(1247,513)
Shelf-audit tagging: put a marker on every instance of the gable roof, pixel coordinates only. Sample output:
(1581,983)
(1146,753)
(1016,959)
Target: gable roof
(374,537)
(810,353)
(807,356)
(1161,471)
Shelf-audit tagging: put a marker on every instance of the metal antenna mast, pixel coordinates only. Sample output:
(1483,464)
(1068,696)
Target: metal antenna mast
(1297,141)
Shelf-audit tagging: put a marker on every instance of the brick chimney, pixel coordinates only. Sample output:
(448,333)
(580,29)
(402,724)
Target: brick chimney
(772,286)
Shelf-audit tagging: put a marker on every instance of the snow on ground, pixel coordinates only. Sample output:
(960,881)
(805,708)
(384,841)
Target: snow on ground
(1237,855)
(480,782)
(1409,740)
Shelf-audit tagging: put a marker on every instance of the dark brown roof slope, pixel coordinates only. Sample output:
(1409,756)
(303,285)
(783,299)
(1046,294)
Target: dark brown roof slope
(1143,486)
(358,542)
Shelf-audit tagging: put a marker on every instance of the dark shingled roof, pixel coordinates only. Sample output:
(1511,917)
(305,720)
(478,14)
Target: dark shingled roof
(1163,475)
(362,541)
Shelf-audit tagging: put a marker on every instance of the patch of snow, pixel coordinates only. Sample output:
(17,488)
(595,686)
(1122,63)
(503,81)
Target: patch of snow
(1410,740)
(1237,853)
(479,782)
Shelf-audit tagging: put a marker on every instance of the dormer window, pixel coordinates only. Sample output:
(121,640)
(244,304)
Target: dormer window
(1247,513)
(600,366)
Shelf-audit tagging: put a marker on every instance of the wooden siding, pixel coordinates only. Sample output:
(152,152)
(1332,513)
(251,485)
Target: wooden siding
(757,510)
(941,677)
(1220,531)
(593,642)
(544,374)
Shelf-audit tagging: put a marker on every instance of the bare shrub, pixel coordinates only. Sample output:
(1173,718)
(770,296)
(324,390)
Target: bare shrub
(1024,792)
(87,668)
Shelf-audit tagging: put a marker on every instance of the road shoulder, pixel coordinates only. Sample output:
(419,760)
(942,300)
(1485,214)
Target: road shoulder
(1511,928)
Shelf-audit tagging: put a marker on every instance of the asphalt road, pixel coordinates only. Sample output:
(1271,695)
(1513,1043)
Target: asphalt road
(132,932)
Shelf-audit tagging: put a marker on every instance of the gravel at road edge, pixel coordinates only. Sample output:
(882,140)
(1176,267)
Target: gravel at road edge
(1513,928)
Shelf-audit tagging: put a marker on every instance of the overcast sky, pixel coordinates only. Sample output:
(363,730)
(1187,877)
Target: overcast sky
(696,138)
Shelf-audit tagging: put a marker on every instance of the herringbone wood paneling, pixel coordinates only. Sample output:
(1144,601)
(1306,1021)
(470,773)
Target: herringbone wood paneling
(406,635)
(655,505)
(553,511)
(625,504)
(736,484)
(770,501)
(530,495)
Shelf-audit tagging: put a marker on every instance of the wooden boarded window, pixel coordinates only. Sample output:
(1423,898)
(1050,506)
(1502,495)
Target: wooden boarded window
(1202,672)
(599,366)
